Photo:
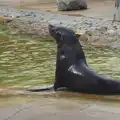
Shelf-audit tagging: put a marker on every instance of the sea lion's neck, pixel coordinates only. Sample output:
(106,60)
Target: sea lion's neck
(82,61)
(64,61)
(80,57)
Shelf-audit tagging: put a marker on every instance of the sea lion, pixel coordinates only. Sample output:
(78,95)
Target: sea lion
(72,70)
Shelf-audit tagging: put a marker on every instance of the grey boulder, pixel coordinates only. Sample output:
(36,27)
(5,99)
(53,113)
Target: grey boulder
(69,5)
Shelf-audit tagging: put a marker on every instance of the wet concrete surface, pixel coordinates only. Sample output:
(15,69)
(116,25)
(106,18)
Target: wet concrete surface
(52,112)
(61,106)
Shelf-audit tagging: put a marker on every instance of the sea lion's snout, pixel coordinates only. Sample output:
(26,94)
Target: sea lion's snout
(50,26)
(52,30)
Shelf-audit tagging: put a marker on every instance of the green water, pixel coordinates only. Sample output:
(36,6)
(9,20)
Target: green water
(29,63)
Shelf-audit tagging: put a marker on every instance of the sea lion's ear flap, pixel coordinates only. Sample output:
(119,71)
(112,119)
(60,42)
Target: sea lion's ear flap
(77,35)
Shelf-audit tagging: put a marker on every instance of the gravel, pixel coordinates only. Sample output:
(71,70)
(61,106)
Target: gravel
(34,23)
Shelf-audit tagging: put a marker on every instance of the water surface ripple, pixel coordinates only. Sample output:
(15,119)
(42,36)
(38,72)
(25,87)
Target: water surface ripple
(28,63)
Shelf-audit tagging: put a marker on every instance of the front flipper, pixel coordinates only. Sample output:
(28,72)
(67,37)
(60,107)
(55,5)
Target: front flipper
(41,89)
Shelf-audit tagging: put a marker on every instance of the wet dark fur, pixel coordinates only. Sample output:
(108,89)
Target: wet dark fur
(72,71)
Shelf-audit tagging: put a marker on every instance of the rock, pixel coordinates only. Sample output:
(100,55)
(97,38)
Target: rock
(5,20)
(83,37)
(2,20)
(69,5)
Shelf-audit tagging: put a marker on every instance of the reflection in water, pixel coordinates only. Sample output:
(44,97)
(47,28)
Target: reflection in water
(27,63)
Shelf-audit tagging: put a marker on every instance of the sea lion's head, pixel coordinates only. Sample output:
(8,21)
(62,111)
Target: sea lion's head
(68,46)
(62,35)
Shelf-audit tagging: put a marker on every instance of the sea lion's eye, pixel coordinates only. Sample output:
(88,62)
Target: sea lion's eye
(58,33)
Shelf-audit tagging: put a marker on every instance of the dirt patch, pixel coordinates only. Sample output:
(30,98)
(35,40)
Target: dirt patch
(96,8)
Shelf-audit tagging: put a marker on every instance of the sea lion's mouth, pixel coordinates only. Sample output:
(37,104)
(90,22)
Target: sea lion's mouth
(52,30)
(50,26)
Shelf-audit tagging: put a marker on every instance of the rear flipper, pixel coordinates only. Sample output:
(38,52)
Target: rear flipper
(41,89)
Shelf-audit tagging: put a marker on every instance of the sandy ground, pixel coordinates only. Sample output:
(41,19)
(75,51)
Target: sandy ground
(96,8)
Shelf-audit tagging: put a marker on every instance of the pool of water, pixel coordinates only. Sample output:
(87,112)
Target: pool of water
(31,63)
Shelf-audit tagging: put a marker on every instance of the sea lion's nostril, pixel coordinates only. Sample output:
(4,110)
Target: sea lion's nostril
(50,26)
